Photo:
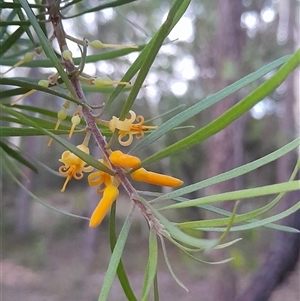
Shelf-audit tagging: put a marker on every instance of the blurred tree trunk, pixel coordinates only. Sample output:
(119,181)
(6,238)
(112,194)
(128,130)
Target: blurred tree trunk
(283,255)
(225,149)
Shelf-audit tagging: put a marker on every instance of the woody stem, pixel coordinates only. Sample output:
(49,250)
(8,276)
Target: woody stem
(59,33)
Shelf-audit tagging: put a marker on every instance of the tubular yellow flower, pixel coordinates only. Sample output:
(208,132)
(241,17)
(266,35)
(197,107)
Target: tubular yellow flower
(142,175)
(128,128)
(110,194)
(123,160)
(73,165)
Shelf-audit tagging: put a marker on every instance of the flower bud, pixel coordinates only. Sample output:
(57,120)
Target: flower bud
(123,160)
(142,175)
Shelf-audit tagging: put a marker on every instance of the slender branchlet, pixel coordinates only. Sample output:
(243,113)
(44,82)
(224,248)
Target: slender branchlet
(59,33)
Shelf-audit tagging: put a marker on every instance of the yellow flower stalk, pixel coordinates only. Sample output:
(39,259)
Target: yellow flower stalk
(142,175)
(61,115)
(99,45)
(73,166)
(28,57)
(128,128)
(102,82)
(110,194)
(43,83)
(123,160)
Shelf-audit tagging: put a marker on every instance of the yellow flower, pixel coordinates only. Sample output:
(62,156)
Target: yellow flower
(110,194)
(142,175)
(128,128)
(73,165)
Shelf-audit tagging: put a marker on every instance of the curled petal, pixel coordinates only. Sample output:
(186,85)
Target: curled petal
(128,141)
(140,135)
(96,178)
(87,168)
(140,119)
(78,175)
(132,116)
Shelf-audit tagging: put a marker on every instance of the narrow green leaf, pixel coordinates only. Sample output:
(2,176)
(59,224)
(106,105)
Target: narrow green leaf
(9,18)
(17,155)
(151,266)
(249,216)
(37,199)
(46,63)
(233,113)
(47,47)
(116,256)
(23,132)
(262,222)
(120,270)
(99,7)
(34,86)
(10,41)
(173,231)
(25,27)
(217,210)
(232,173)
(169,265)
(206,103)
(155,289)
(135,67)
(16,4)
(227,244)
(152,52)
(239,195)
(224,221)
(85,157)
(227,213)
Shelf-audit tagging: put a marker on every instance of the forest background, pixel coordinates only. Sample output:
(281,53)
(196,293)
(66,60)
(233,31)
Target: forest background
(50,256)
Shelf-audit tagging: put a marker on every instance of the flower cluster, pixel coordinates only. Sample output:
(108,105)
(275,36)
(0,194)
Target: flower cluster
(119,164)
(108,184)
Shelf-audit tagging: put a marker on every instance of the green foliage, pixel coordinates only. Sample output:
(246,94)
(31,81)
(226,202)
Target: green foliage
(33,120)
